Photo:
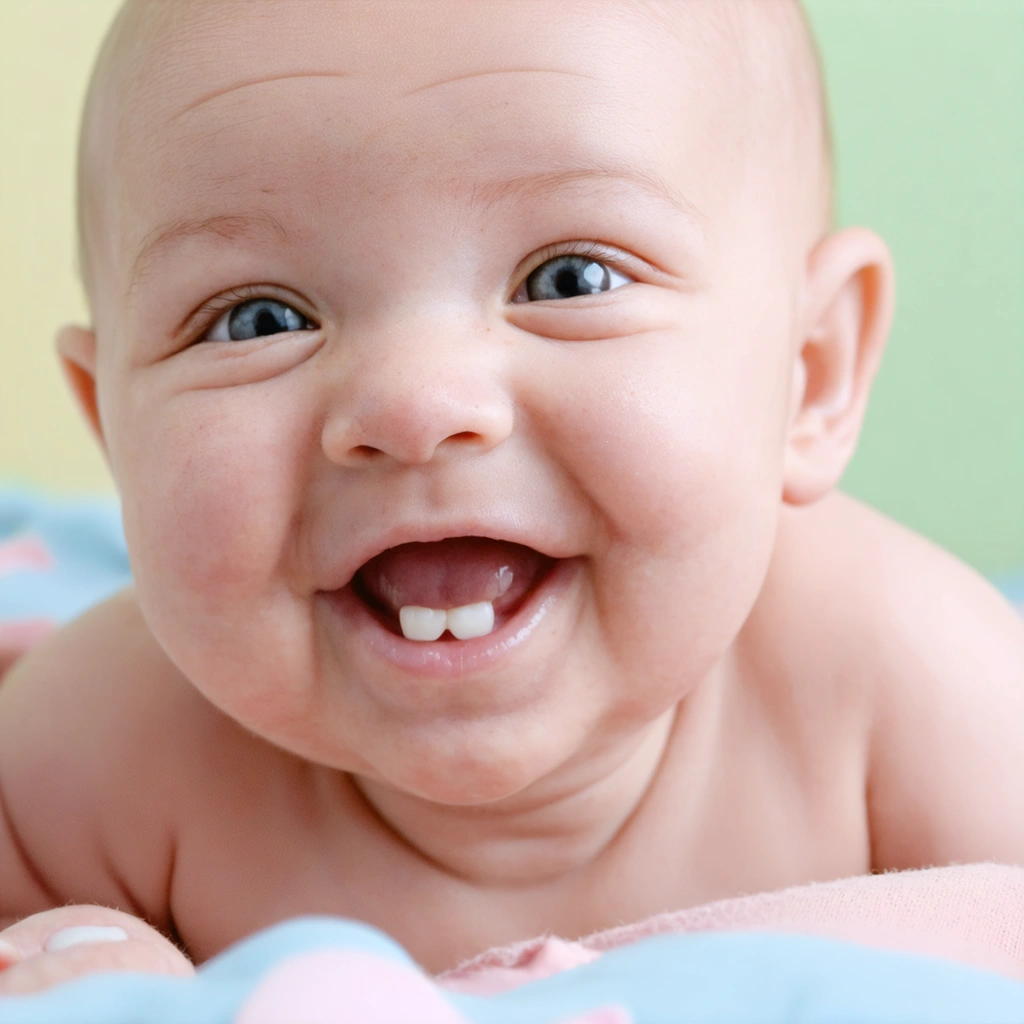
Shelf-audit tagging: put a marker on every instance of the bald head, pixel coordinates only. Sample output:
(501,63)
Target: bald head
(786,96)
(760,64)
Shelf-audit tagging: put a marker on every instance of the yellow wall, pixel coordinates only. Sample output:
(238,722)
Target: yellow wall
(46,51)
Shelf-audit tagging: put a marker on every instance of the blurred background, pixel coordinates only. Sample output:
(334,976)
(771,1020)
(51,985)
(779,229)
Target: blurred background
(928,115)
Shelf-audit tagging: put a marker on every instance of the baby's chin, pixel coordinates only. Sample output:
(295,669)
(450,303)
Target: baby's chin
(473,762)
(472,766)
(466,783)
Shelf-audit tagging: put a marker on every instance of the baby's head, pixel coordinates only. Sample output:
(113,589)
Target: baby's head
(365,274)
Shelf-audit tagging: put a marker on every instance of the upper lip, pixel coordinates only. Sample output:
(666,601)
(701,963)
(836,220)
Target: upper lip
(358,554)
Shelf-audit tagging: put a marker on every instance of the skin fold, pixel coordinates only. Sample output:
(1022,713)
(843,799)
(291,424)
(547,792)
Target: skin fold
(740,680)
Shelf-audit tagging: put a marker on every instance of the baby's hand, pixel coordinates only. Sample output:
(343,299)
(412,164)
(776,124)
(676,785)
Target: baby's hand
(60,945)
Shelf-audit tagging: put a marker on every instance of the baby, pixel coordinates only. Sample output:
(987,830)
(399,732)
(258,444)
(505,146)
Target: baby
(477,377)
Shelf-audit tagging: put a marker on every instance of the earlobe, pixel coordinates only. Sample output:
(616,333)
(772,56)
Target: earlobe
(76,347)
(848,311)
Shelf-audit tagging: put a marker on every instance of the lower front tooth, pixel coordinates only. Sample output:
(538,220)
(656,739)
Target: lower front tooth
(422,623)
(471,620)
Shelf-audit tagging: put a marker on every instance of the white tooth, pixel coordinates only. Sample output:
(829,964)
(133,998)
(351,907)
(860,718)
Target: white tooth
(422,623)
(471,620)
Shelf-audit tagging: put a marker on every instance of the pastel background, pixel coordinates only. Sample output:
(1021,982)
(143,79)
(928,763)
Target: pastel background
(928,112)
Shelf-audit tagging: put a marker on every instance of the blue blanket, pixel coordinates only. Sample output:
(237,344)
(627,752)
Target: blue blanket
(63,555)
(705,978)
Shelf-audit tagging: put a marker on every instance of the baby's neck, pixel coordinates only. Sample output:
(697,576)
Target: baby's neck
(538,836)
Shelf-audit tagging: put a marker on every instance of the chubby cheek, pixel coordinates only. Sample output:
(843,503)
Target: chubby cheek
(209,484)
(680,454)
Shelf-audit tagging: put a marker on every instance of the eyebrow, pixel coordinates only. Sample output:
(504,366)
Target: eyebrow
(631,179)
(487,194)
(229,226)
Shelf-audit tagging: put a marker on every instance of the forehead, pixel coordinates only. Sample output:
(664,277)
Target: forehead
(208,109)
(179,57)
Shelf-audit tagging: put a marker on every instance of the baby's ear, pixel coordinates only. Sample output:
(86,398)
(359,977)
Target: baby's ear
(76,347)
(848,308)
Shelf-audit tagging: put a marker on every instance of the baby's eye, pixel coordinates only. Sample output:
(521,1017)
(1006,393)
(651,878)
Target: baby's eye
(257,318)
(567,275)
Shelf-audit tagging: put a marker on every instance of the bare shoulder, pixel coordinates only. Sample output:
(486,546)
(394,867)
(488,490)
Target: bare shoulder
(894,581)
(98,735)
(940,654)
(92,690)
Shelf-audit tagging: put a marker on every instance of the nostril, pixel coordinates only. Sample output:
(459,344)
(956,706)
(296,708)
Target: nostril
(365,451)
(465,435)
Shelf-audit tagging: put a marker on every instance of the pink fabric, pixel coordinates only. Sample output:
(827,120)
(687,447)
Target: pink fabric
(24,552)
(972,913)
(16,637)
(340,986)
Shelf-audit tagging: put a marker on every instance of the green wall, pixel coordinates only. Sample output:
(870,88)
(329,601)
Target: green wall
(928,115)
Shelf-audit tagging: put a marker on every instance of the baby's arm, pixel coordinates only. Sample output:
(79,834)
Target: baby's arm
(946,771)
(76,823)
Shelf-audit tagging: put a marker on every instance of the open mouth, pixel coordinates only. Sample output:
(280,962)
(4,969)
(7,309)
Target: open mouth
(451,590)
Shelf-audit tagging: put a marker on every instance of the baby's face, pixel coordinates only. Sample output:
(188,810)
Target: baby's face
(374,274)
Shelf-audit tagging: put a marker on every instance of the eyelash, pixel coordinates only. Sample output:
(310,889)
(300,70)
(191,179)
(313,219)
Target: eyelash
(210,311)
(597,251)
(207,315)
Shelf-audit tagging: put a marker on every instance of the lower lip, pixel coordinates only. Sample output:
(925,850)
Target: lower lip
(454,658)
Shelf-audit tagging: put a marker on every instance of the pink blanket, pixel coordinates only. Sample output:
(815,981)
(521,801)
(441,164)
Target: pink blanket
(972,913)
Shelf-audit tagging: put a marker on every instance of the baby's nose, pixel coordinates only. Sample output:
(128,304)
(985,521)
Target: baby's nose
(412,401)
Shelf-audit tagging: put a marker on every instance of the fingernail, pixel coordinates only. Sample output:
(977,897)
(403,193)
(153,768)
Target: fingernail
(83,933)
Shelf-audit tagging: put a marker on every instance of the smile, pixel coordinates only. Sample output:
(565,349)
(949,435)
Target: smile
(462,586)
(453,606)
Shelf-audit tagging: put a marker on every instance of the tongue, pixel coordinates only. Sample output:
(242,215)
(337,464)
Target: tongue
(452,573)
